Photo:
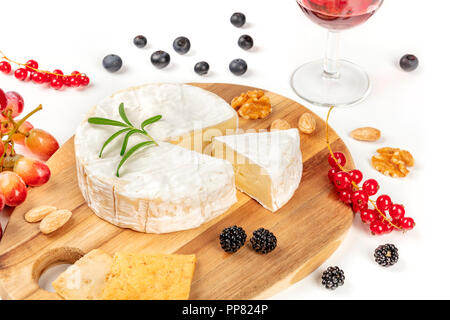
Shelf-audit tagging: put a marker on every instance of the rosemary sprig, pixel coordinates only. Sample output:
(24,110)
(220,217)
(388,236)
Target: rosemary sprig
(129,129)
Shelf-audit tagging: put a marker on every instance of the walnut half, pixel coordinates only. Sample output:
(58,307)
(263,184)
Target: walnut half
(253,104)
(393,162)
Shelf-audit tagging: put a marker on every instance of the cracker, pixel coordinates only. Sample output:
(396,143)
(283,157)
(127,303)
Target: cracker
(149,277)
(85,279)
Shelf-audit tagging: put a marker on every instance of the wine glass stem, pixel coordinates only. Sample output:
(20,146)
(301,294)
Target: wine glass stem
(330,63)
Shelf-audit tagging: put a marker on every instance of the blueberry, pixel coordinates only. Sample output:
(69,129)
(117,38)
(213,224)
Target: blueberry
(112,62)
(201,68)
(409,62)
(238,67)
(245,42)
(160,59)
(140,41)
(181,45)
(237,19)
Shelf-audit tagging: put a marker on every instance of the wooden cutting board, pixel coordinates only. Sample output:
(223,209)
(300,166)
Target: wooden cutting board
(309,227)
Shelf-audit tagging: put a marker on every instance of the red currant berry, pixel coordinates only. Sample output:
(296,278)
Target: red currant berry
(342,180)
(84,80)
(397,211)
(56,84)
(360,198)
(407,223)
(21,74)
(38,77)
(387,226)
(74,81)
(377,227)
(48,77)
(59,73)
(66,81)
(371,187)
(75,73)
(345,196)
(331,174)
(368,215)
(31,65)
(357,209)
(397,223)
(384,202)
(5,67)
(356,176)
(339,157)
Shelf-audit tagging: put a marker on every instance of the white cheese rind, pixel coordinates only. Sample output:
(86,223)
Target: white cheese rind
(161,188)
(278,154)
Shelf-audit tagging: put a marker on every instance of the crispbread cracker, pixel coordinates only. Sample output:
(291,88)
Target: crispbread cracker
(149,277)
(85,279)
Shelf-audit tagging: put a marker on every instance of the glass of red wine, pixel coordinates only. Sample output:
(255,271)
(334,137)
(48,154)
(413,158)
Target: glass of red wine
(332,81)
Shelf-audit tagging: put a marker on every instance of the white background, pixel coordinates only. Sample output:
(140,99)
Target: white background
(409,108)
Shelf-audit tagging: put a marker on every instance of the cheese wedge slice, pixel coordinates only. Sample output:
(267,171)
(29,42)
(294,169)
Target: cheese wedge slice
(85,279)
(268,165)
(163,188)
(149,277)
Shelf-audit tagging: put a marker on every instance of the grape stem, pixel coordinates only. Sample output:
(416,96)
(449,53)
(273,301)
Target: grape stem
(14,131)
(34,69)
(342,168)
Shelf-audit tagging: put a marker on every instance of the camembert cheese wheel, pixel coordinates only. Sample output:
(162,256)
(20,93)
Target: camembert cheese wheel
(164,188)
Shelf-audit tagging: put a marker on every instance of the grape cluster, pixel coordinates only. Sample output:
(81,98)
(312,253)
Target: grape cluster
(17,172)
(384,216)
(56,79)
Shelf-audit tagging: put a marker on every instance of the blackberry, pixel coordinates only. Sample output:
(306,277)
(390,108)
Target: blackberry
(333,277)
(386,255)
(263,241)
(232,239)
(140,41)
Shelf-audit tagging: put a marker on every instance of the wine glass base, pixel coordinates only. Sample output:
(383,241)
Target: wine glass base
(311,84)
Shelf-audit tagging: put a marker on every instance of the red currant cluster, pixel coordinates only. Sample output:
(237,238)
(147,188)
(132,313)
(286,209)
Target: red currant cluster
(384,216)
(17,171)
(56,79)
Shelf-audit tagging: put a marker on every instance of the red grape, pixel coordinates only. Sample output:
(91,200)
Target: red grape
(24,128)
(3,100)
(15,103)
(13,188)
(41,143)
(33,172)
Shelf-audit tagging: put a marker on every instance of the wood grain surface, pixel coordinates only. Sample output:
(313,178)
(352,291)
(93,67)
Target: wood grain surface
(309,227)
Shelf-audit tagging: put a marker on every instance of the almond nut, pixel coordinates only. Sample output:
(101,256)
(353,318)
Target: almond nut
(279,124)
(54,221)
(366,134)
(307,123)
(38,213)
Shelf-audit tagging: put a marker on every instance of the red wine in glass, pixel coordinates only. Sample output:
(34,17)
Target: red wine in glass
(332,81)
(339,14)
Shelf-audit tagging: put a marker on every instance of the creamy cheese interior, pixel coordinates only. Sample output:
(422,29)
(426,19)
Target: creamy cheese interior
(268,165)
